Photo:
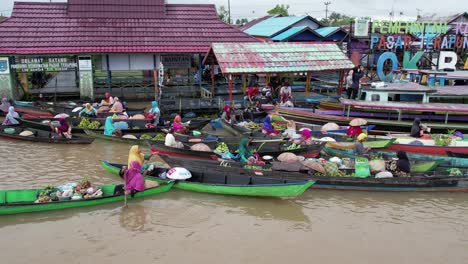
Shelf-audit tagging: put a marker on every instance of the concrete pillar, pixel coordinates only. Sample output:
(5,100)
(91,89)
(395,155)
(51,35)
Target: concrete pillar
(85,65)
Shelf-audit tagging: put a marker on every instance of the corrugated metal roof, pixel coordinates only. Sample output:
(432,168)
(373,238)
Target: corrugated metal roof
(237,58)
(326,31)
(273,25)
(288,33)
(47,28)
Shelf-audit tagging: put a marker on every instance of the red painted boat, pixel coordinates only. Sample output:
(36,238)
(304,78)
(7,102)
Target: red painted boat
(431,150)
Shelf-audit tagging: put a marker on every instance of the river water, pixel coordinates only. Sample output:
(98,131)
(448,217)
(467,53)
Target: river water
(185,227)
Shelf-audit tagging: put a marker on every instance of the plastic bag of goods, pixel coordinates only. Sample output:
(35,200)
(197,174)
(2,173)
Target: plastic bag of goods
(121,125)
(362,167)
(383,175)
(129,136)
(377,166)
(26,133)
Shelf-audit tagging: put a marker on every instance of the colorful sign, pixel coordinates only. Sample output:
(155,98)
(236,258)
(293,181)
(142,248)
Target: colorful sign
(44,64)
(4,66)
(361,28)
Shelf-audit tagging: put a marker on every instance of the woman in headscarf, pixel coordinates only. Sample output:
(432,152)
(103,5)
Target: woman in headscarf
(306,137)
(354,131)
(135,154)
(244,153)
(359,149)
(10,117)
(155,112)
(117,107)
(134,181)
(63,129)
(267,127)
(109,128)
(108,100)
(400,167)
(88,111)
(177,125)
(170,140)
(5,105)
(290,129)
(226,113)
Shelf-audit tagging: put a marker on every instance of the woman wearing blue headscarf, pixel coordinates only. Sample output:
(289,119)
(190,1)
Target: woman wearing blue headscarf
(268,128)
(155,111)
(109,127)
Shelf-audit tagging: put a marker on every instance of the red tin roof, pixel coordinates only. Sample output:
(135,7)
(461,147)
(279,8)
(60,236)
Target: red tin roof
(58,28)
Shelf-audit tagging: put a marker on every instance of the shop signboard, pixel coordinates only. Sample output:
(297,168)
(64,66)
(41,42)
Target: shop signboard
(45,64)
(172,61)
(361,28)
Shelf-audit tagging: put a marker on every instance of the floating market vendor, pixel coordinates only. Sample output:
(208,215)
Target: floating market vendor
(88,111)
(353,131)
(155,112)
(417,130)
(5,105)
(10,117)
(117,107)
(64,129)
(267,127)
(244,153)
(359,149)
(228,111)
(135,154)
(306,138)
(108,100)
(400,167)
(178,126)
(170,140)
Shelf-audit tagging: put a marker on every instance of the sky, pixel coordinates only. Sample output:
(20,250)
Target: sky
(366,8)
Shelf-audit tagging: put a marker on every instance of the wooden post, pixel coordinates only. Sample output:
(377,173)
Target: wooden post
(230,87)
(307,84)
(244,83)
(156,84)
(340,83)
(212,78)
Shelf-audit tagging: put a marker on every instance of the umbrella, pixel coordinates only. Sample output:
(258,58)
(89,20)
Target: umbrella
(316,166)
(287,157)
(330,126)
(358,122)
(178,173)
(328,139)
(201,147)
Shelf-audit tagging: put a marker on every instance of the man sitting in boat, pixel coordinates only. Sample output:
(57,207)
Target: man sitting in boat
(417,130)
(252,94)
(286,95)
(359,149)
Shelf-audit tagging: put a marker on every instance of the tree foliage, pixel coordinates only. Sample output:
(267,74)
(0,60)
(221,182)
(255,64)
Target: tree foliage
(242,21)
(337,19)
(279,10)
(223,14)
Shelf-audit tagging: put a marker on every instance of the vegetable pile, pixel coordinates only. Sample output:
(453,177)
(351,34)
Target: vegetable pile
(86,123)
(221,147)
(69,191)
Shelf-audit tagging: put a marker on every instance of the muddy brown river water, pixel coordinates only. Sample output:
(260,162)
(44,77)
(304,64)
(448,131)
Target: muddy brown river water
(184,227)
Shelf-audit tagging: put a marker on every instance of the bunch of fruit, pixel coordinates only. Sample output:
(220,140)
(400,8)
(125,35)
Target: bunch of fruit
(279,126)
(252,125)
(159,137)
(221,147)
(146,136)
(293,146)
(85,123)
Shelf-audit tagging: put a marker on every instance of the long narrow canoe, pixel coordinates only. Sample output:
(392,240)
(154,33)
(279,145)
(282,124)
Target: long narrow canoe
(457,155)
(220,182)
(308,115)
(22,201)
(418,182)
(375,144)
(44,136)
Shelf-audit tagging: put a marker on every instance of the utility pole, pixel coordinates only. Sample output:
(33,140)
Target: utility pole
(229,11)
(419,12)
(326,9)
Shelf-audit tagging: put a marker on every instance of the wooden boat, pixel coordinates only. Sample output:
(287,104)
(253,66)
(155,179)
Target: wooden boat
(457,154)
(309,116)
(22,201)
(137,141)
(406,143)
(220,182)
(418,182)
(132,124)
(375,144)
(44,136)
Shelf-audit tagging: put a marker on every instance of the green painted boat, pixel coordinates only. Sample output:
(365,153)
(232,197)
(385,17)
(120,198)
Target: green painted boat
(374,144)
(217,181)
(22,201)
(419,165)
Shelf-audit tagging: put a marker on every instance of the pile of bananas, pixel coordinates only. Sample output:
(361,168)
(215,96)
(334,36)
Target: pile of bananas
(159,137)
(252,125)
(279,126)
(146,136)
(85,123)
(293,146)
(221,147)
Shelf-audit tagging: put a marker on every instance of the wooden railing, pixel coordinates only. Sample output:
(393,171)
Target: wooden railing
(204,93)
